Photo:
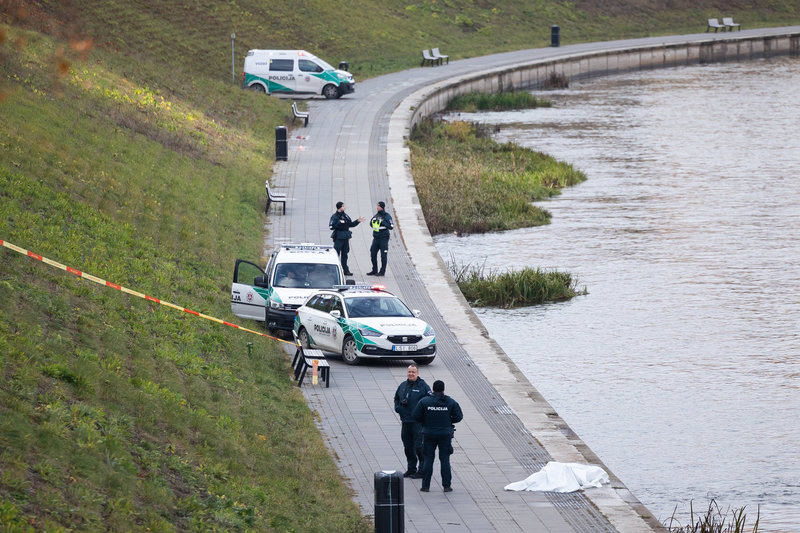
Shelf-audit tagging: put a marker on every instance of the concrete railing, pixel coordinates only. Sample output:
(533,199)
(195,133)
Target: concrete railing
(534,74)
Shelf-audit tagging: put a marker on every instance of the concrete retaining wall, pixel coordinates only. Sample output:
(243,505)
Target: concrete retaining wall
(533,75)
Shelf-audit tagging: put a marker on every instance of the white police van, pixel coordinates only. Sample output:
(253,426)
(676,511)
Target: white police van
(294,71)
(294,272)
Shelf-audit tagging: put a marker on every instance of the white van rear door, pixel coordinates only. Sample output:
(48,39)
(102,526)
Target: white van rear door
(248,300)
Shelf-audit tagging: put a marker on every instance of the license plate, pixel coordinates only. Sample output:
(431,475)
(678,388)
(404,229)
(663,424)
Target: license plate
(404,348)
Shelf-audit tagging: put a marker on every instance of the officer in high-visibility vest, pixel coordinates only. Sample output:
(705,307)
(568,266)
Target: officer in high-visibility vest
(381,224)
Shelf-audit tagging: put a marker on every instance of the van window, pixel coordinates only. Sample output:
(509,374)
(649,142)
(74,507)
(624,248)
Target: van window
(307,65)
(282,65)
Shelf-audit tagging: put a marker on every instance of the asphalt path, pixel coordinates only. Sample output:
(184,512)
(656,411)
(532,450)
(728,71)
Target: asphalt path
(343,154)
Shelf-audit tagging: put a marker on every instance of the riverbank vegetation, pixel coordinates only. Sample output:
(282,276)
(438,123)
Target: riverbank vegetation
(516,288)
(715,520)
(468,183)
(472,102)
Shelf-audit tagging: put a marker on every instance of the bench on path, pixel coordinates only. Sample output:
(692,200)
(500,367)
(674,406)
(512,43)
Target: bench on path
(304,359)
(439,57)
(275,197)
(729,23)
(714,23)
(428,58)
(299,114)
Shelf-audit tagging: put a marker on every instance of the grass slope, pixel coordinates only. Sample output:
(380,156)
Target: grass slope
(127,151)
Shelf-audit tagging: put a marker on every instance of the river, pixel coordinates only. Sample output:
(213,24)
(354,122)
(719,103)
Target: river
(681,366)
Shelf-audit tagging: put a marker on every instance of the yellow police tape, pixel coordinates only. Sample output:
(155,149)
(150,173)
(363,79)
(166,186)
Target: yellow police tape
(99,281)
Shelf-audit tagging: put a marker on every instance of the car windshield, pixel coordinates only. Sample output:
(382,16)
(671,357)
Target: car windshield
(376,306)
(304,275)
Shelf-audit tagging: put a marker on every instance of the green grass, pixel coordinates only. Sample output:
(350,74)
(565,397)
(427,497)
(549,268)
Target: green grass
(515,288)
(117,413)
(715,520)
(473,102)
(468,183)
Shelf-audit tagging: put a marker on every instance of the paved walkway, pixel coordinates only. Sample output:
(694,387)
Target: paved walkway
(342,155)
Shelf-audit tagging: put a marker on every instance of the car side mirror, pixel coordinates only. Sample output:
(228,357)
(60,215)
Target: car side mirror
(260,282)
(416,312)
(350,282)
(336,314)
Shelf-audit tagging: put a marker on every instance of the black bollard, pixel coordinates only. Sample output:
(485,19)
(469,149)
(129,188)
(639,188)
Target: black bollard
(281,144)
(555,37)
(389,507)
(344,65)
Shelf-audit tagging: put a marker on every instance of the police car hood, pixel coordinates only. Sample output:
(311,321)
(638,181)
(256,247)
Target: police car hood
(394,325)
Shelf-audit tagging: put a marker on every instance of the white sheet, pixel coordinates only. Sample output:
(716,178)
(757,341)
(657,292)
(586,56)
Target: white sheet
(562,477)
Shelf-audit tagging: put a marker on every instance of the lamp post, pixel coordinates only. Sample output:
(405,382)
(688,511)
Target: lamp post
(233,61)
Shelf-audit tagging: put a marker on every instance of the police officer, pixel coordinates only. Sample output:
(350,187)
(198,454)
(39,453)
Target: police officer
(381,224)
(408,394)
(437,414)
(340,225)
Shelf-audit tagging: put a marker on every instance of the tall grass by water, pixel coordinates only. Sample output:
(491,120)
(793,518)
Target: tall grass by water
(514,288)
(715,520)
(468,183)
(473,102)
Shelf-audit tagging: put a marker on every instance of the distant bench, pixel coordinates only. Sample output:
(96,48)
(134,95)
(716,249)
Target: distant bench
(275,197)
(714,23)
(299,114)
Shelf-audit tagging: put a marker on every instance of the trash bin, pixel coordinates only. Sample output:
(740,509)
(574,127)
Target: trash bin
(389,507)
(344,65)
(555,37)
(281,144)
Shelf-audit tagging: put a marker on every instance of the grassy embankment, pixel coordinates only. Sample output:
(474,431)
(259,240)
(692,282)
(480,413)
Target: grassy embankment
(117,413)
(468,183)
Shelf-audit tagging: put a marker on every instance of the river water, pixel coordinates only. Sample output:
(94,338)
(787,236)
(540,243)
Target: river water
(681,367)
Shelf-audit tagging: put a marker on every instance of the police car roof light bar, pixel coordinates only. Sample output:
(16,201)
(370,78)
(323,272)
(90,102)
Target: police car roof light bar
(306,246)
(361,286)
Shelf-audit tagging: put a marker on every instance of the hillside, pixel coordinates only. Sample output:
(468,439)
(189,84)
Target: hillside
(128,152)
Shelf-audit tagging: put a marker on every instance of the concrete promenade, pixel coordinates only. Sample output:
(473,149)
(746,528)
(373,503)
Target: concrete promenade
(352,150)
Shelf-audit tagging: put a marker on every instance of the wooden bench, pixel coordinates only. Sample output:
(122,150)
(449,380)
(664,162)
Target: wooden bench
(714,23)
(428,58)
(275,197)
(299,114)
(729,23)
(304,360)
(439,57)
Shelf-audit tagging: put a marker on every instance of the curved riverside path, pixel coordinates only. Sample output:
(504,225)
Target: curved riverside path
(352,150)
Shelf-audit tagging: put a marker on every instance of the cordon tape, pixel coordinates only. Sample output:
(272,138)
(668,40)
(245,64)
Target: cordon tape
(126,290)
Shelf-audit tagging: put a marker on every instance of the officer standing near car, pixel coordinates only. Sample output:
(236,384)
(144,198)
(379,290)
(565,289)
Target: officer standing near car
(437,414)
(340,225)
(381,223)
(408,395)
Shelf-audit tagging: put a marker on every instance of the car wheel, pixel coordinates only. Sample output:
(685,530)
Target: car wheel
(349,351)
(302,336)
(424,360)
(330,91)
(257,87)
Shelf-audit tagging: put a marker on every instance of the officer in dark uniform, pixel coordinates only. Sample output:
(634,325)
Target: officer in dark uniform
(340,225)
(437,414)
(381,224)
(408,394)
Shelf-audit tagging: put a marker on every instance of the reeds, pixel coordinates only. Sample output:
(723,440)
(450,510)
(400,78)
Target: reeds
(484,287)
(714,521)
(476,101)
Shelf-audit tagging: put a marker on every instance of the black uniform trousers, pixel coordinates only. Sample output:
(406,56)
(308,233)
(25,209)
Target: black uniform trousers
(382,244)
(411,434)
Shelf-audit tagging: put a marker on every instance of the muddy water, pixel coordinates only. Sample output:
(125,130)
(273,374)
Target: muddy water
(681,367)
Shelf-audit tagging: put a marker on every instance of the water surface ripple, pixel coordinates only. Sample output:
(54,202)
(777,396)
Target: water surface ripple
(681,367)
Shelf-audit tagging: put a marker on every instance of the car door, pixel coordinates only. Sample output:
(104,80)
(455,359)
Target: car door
(282,75)
(332,327)
(308,76)
(247,299)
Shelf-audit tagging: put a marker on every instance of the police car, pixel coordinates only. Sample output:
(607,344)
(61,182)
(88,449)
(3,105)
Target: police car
(294,272)
(364,322)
